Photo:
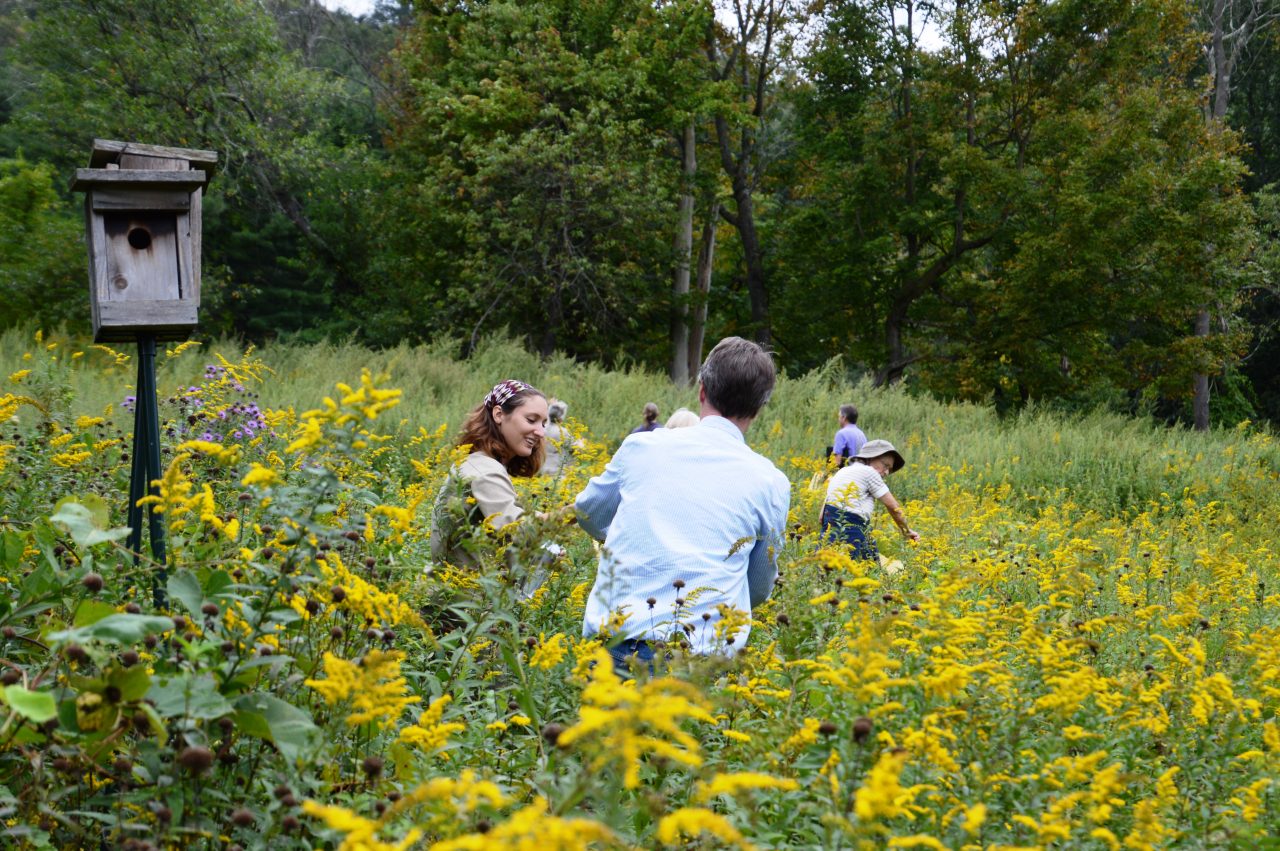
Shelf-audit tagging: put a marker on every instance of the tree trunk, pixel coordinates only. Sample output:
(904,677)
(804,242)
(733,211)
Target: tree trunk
(754,257)
(683,251)
(1200,404)
(706,258)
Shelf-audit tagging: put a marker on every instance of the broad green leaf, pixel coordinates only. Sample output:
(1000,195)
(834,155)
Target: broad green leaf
(185,588)
(79,522)
(133,682)
(218,584)
(189,696)
(269,717)
(37,706)
(99,511)
(12,546)
(91,611)
(121,628)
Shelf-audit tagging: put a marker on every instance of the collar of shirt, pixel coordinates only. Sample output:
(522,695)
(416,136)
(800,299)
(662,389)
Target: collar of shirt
(724,425)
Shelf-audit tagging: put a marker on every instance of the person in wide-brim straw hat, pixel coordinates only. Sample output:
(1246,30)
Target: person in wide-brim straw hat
(852,495)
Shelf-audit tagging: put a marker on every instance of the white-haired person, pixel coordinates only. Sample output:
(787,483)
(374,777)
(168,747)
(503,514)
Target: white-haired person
(851,499)
(683,418)
(556,438)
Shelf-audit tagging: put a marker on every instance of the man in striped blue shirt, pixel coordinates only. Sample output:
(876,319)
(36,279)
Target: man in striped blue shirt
(691,519)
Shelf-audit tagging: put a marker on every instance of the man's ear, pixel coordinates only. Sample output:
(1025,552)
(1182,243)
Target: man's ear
(702,394)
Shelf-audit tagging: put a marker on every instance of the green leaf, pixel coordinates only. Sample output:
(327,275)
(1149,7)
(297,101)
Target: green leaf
(79,522)
(11,549)
(288,727)
(37,706)
(185,588)
(99,511)
(158,728)
(91,611)
(120,628)
(188,696)
(133,682)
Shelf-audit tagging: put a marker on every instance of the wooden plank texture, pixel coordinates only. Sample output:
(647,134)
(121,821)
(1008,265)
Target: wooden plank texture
(88,178)
(107,151)
(138,272)
(155,200)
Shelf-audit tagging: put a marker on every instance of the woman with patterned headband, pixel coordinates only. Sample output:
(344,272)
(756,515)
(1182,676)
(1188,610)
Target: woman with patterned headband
(505,434)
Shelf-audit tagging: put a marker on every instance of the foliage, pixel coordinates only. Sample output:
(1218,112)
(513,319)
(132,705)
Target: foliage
(911,197)
(1049,664)
(541,197)
(41,255)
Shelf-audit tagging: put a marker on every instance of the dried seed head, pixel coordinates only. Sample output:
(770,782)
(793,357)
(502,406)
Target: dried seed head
(195,759)
(862,728)
(93,582)
(242,818)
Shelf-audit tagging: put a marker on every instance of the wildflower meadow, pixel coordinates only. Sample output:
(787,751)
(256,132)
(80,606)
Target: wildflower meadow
(1083,650)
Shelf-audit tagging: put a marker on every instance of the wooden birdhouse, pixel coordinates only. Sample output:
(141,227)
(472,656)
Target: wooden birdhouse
(142,221)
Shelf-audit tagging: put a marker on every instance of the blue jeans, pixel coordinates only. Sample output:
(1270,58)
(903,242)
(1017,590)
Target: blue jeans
(632,648)
(841,526)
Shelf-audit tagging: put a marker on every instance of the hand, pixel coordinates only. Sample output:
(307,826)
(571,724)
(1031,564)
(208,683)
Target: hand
(911,534)
(564,514)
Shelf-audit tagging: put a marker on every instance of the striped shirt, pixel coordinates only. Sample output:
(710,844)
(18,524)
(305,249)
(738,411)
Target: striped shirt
(692,504)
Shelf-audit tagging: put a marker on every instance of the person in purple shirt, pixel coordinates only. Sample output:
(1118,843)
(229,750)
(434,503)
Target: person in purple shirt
(849,439)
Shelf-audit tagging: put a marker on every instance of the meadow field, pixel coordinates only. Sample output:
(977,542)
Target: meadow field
(1082,652)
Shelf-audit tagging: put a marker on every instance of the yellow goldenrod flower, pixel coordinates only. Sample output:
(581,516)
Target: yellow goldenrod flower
(360,833)
(881,795)
(732,784)
(629,721)
(429,734)
(260,476)
(533,828)
(691,822)
(550,651)
(375,688)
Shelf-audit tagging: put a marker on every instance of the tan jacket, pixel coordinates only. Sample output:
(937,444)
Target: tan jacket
(488,481)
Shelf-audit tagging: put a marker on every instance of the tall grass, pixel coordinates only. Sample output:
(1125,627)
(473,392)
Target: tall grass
(1100,461)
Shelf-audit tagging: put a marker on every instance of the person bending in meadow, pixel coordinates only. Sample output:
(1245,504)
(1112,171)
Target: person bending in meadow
(505,433)
(852,495)
(690,519)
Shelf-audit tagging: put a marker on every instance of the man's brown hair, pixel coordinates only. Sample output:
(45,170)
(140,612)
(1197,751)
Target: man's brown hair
(738,376)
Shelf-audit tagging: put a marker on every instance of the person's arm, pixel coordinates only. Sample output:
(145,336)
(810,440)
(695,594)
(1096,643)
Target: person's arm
(895,511)
(599,500)
(762,563)
(496,496)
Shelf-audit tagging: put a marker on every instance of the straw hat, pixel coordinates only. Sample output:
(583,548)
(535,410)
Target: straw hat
(873,449)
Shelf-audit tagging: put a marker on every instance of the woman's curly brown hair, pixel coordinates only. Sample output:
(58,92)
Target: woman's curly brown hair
(481,433)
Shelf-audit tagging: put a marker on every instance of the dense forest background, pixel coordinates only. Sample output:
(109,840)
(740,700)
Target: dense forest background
(1071,202)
